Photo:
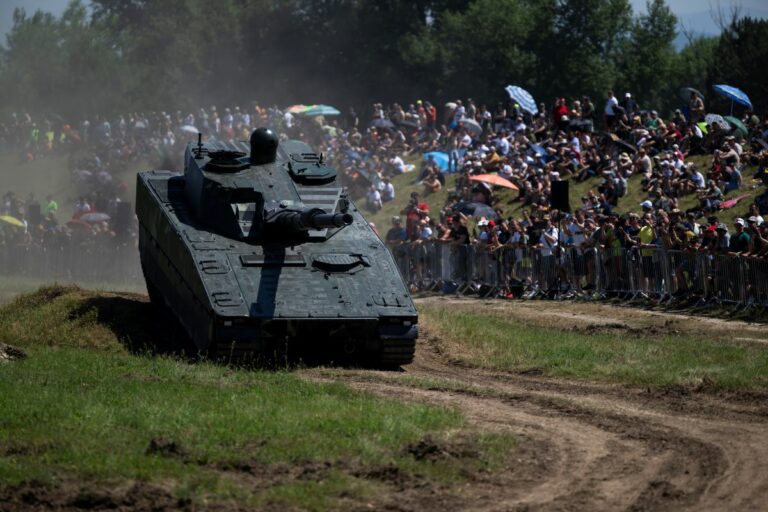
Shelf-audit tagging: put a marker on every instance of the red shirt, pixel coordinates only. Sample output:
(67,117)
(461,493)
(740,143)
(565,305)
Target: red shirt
(412,219)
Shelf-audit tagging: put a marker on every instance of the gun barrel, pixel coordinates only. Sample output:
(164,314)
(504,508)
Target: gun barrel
(314,218)
(331,220)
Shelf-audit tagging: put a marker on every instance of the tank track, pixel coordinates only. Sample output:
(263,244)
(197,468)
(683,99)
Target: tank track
(397,352)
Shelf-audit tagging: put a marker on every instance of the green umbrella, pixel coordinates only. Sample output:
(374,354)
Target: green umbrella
(737,125)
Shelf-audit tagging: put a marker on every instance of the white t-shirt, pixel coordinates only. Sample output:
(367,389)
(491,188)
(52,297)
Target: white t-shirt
(612,102)
(503,146)
(388,192)
(577,236)
(374,197)
(426,233)
(698,180)
(546,246)
(398,163)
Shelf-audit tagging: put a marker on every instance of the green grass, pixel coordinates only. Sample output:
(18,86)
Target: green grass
(635,194)
(82,407)
(82,413)
(11,286)
(492,340)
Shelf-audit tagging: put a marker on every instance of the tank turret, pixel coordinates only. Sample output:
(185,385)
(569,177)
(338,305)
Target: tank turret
(256,243)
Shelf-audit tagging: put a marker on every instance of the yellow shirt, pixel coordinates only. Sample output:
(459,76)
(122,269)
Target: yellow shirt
(647,236)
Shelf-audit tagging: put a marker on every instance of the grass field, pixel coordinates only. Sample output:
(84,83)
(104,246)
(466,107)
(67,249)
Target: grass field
(83,407)
(490,339)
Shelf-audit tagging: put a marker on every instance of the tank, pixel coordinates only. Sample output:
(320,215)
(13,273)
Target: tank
(256,246)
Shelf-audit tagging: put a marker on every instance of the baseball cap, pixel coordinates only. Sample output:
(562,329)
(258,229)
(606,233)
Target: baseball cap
(482,222)
(646,204)
(752,219)
(491,223)
(739,222)
(722,227)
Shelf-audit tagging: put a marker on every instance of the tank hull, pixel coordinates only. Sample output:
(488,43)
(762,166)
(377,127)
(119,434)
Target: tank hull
(240,298)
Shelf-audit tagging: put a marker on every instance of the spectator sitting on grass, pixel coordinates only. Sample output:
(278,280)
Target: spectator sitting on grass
(387,191)
(431,183)
(373,199)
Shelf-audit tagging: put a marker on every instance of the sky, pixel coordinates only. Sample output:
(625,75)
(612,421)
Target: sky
(693,14)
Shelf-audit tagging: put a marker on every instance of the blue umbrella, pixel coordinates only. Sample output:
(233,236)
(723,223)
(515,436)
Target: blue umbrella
(320,110)
(523,97)
(440,158)
(733,94)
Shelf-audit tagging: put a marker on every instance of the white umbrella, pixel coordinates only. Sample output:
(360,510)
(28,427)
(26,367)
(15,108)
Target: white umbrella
(472,126)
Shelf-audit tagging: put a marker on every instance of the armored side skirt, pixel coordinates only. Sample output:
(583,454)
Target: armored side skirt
(387,340)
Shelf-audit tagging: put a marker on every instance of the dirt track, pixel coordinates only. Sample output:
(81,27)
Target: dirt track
(586,446)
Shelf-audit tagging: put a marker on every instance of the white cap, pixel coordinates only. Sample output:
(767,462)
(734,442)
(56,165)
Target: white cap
(646,204)
(740,222)
(627,95)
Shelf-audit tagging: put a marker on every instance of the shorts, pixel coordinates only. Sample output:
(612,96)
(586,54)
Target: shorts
(647,263)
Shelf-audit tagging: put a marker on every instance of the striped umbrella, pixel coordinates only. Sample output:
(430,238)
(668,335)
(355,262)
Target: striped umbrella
(320,110)
(523,97)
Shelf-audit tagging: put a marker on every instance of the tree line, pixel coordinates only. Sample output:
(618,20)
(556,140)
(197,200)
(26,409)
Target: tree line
(119,55)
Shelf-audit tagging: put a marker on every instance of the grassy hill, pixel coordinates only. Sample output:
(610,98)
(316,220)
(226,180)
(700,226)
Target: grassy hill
(407,183)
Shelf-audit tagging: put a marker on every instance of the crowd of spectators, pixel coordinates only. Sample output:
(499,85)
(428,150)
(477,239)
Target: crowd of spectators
(562,143)
(572,140)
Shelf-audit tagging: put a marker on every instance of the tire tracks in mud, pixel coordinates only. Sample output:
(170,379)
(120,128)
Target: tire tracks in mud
(590,446)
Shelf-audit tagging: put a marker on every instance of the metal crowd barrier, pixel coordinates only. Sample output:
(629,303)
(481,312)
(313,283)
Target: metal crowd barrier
(88,263)
(587,274)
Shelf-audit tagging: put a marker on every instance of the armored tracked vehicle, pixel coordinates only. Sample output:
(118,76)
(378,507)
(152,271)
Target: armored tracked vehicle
(257,246)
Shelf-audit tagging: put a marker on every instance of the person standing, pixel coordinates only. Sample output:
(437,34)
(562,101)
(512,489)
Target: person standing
(610,110)
(696,107)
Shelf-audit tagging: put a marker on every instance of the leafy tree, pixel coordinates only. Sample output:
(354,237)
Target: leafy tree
(691,67)
(179,54)
(649,57)
(580,51)
(475,52)
(63,65)
(740,60)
